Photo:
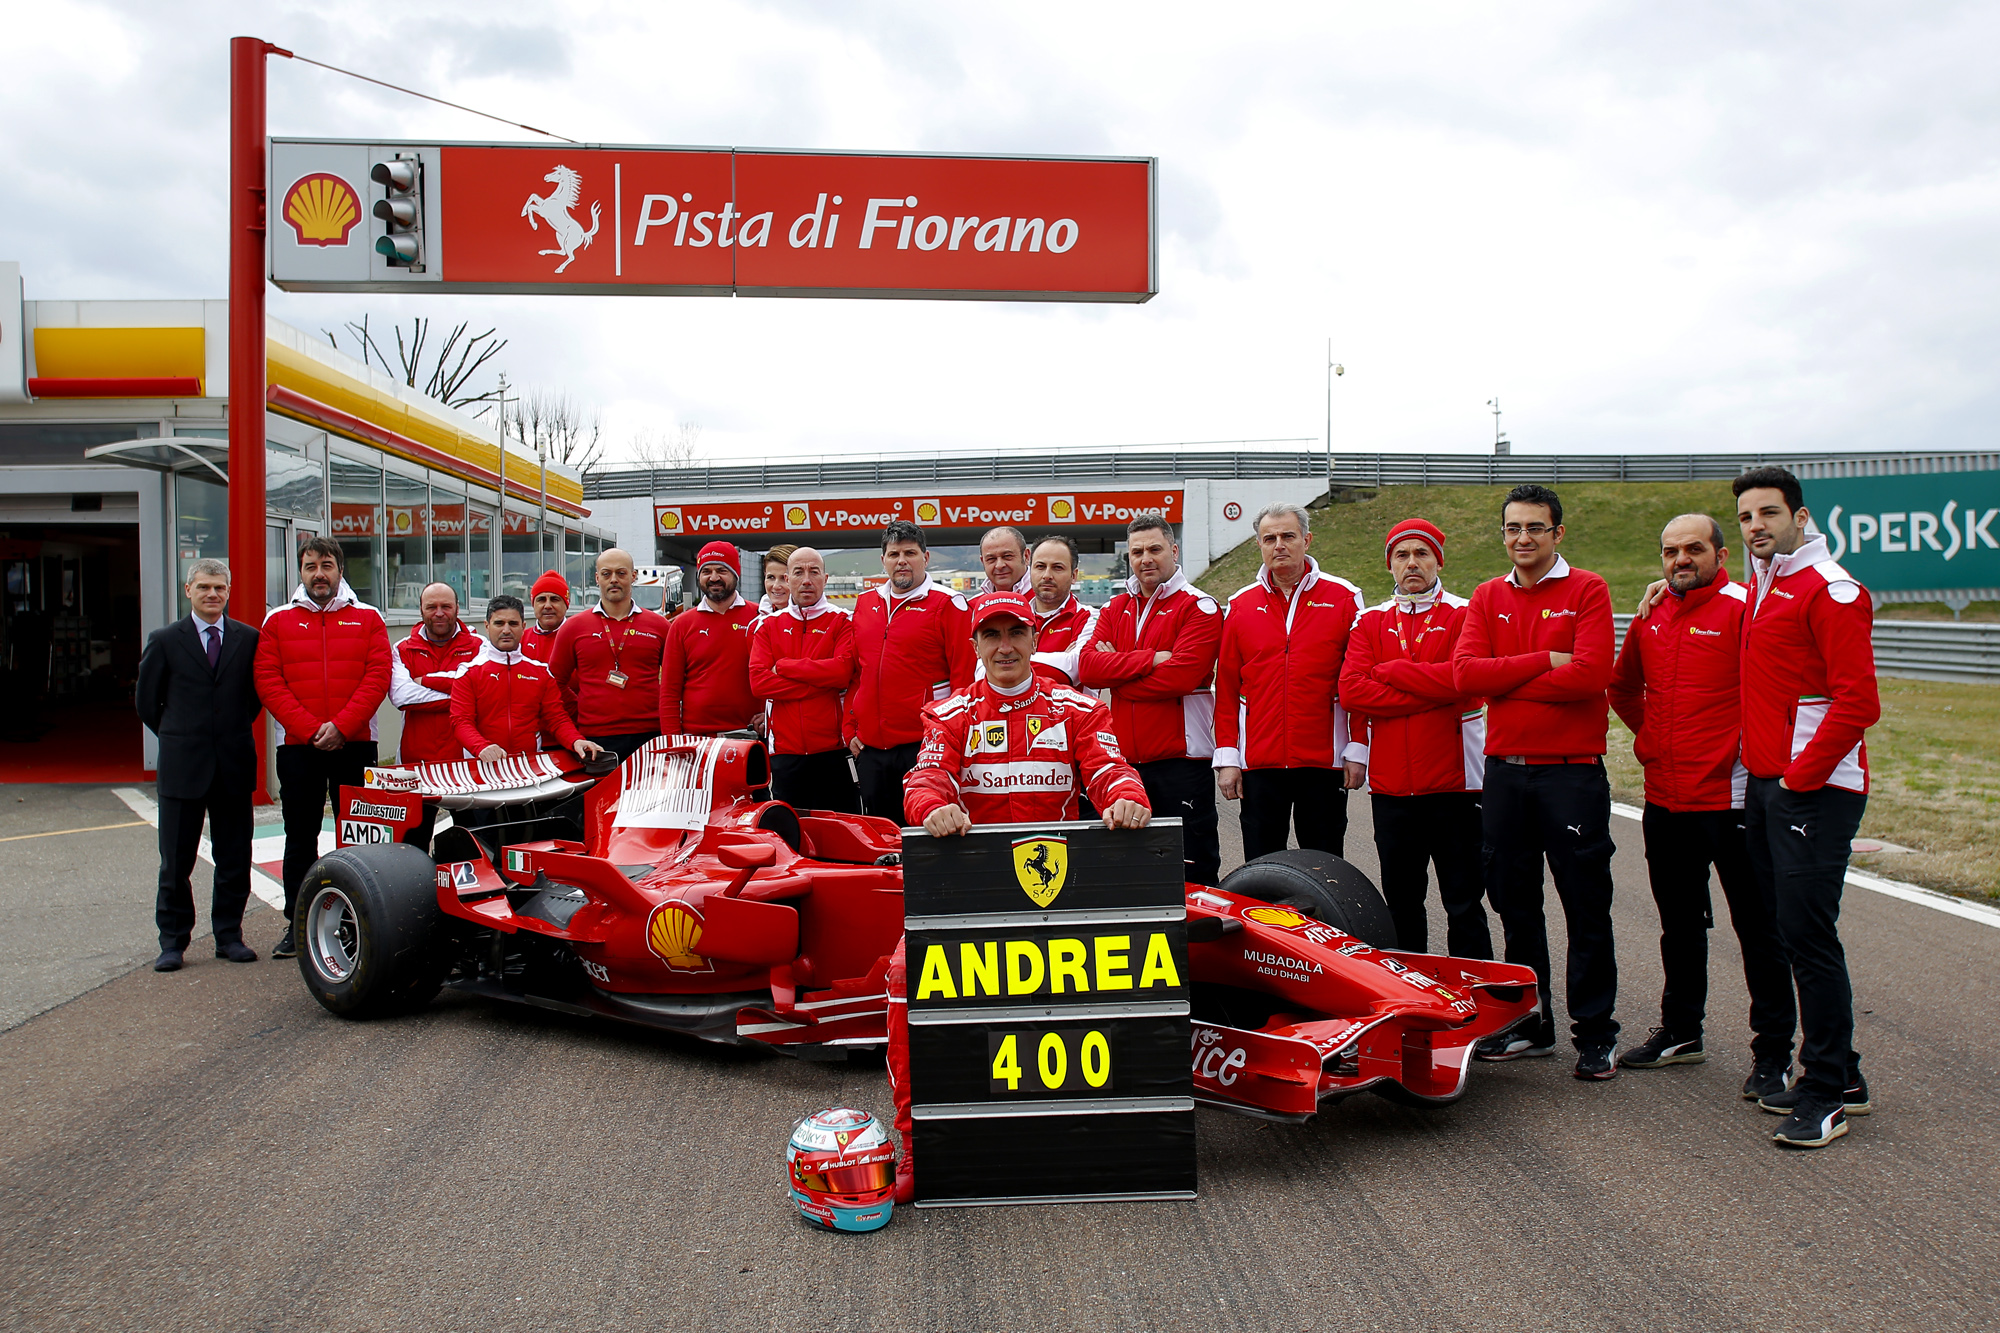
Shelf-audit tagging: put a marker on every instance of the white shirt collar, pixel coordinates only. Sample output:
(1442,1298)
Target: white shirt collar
(1013,692)
(488,653)
(701,604)
(1174,584)
(891,596)
(1419,603)
(1306,580)
(1043,617)
(1559,570)
(1026,583)
(343,598)
(219,624)
(821,607)
(618,620)
(1811,552)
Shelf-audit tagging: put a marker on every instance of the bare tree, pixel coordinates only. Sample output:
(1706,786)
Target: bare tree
(552,422)
(664,450)
(452,365)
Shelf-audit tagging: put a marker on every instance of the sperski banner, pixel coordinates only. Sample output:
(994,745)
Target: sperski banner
(354,216)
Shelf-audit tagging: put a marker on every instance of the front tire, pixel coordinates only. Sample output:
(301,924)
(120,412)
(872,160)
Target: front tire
(370,932)
(1321,885)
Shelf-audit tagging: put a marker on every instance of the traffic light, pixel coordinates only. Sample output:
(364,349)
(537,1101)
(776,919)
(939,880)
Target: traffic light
(401,210)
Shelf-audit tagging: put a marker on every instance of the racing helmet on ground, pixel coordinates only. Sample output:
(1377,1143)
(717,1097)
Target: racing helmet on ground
(842,1167)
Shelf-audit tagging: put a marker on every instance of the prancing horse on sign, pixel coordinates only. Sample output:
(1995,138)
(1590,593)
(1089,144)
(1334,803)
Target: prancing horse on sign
(554,210)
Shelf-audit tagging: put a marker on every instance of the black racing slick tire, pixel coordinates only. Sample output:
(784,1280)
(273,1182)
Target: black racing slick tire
(1321,885)
(369,930)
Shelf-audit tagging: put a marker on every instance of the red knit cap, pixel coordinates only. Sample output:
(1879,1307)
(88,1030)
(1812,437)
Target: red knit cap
(723,552)
(1424,532)
(549,582)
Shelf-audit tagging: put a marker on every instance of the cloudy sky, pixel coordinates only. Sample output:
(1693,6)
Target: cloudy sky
(1728,226)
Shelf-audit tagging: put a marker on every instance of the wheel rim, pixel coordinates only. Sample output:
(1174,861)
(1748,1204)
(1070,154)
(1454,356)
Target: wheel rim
(333,935)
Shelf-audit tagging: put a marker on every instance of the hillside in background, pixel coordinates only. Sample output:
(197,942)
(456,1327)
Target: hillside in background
(1612,528)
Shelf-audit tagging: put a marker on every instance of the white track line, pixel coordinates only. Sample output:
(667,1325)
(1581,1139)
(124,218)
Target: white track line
(268,890)
(1892,888)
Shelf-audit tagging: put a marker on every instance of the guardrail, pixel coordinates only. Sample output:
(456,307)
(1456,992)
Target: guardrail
(1924,649)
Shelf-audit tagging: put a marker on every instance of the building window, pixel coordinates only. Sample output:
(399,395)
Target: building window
(479,554)
(447,527)
(293,486)
(406,546)
(572,565)
(357,512)
(520,558)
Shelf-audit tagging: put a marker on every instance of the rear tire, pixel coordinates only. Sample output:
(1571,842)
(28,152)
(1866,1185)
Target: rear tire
(369,931)
(1321,885)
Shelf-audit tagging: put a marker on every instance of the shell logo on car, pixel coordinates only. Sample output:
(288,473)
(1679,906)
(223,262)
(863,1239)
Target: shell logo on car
(322,209)
(674,933)
(1277,916)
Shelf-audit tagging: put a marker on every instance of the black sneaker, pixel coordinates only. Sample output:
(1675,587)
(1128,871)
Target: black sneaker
(1518,1042)
(1768,1078)
(1854,1101)
(1662,1048)
(1596,1062)
(1811,1125)
(287,946)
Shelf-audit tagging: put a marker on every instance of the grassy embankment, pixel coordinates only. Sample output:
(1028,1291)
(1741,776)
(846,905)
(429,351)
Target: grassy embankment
(1935,754)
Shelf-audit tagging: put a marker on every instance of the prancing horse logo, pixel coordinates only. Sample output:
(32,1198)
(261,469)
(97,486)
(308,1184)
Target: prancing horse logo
(554,210)
(1042,866)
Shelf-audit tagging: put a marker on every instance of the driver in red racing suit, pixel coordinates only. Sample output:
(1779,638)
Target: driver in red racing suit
(1011,749)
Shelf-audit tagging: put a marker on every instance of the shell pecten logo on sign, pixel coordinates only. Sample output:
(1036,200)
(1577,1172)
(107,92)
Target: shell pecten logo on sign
(797,516)
(1062,508)
(322,209)
(926,511)
(670,521)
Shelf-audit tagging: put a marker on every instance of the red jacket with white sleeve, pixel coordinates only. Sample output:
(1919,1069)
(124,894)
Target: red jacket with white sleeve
(1165,711)
(508,700)
(1277,673)
(1018,758)
(1059,638)
(1676,686)
(909,650)
(802,664)
(705,671)
(590,648)
(420,679)
(1397,682)
(1502,655)
(316,665)
(1809,693)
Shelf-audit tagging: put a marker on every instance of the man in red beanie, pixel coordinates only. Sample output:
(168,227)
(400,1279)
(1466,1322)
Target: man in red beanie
(549,599)
(610,657)
(1426,743)
(705,669)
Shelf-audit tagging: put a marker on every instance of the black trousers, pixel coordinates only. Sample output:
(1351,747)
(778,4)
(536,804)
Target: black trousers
(1413,833)
(1278,800)
(1184,789)
(1680,848)
(625,744)
(1799,844)
(881,773)
(1561,813)
(307,779)
(815,782)
(229,828)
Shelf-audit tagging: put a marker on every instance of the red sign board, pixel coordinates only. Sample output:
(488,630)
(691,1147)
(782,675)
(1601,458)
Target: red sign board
(568,219)
(870,514)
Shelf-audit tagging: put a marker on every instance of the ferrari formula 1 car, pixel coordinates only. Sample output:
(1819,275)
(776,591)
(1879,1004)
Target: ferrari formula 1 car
(683,898)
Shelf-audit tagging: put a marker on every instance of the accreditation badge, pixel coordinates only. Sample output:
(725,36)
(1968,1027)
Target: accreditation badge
(616,680)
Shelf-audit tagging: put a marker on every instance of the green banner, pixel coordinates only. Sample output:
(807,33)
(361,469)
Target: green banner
(1936,531)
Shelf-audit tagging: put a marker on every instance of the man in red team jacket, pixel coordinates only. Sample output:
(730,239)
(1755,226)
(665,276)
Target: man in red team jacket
(1426,745)
(1281,740)
(705,670)
(1537,644)
(801,659)
(322,669)
(1677,687)
(549,601)
(1011,749)
(422,667)
(1809,697)
(608,659)
(1154,646)
(1062,623)
(911,647)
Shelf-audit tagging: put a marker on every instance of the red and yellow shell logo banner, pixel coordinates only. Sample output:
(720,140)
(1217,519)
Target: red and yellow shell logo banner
(322,209)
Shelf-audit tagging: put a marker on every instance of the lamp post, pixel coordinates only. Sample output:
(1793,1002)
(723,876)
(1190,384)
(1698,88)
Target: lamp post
(1500,442)
(1332,368)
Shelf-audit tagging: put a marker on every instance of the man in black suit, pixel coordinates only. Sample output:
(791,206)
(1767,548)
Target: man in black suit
(198,694)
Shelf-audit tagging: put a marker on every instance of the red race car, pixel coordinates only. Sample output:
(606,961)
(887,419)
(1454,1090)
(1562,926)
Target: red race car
(675,895)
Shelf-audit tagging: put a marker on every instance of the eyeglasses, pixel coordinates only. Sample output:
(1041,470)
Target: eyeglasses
(1531,529)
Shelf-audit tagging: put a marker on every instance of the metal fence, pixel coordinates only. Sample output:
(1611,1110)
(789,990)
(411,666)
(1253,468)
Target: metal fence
(1111,467)
(1925,649)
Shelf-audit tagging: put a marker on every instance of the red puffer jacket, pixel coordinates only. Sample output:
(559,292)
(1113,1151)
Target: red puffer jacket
(316,666)
(1020,758)
(590,647)
(1165,711)
(1423,735)
(1278,671)
(705,671)
(1676,687)
(508,700)
(908,651)
(421,674)
(801,665)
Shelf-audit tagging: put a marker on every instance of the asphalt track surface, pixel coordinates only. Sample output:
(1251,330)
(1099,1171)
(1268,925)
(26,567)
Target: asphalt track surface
(212,1150)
